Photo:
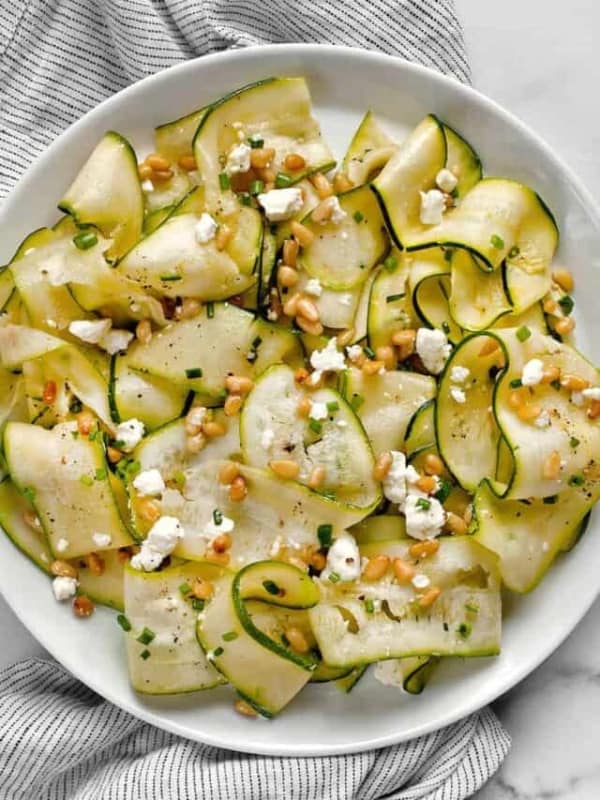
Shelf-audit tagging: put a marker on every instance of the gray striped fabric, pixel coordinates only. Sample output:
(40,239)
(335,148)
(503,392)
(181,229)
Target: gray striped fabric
(58,740)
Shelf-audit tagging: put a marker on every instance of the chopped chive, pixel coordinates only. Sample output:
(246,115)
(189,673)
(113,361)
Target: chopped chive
(179,478)
(210,310)
(472,606)
(123,622)
(358,217)
(574,442)
(271,587)
(29,493)
(445,487)
(423,504)
(256,187)
(523,333)
(87,480)
(392,297)
(356,401)
(133,467)
(325,534)
(576,480)
(193,372)
(282,180)
(118,443)
(101,474)
(224,181)
(218,651)
(145,654)
(333,406)
(566,302)
(464,630)
(514,251)
(171,278)
(448,253)
(445,626)
(85,240)
(497,241)
(315,425)
(555,385)
(198,604)
(185,589)
(256,342)
(455,193)
(550,500)
(369,605)
(390,263)
(334,577)
(146,636)
(229,636)
(330,495)
(245,198)
(217,516)
(75,434)
(92,435)
(369,352)
(516,383)
(255,141)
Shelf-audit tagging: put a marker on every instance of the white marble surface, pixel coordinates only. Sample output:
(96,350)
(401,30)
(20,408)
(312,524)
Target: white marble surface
(536,57)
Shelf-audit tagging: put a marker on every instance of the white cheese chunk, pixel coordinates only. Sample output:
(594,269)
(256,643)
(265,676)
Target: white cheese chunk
(433,349)
(458,394)
(533,372)
(64,588)
(425,517)
(129,433)
(343,559)
(267,438)
(205,229)
(433,205)
(329,359)
(318,411)
(159,543)
(238,159)
(115,341)
(149,483)
(62,545)
(593,393)
(459,374)
(313,287)
(91,331)
(102,539)
(394,483)
(281,204)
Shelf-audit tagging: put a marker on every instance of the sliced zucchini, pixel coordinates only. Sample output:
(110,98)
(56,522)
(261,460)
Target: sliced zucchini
(390,304)
(270,417)
(337,308)
(477,298)
(349,681)
(464,620)
(107,193)
(7,288)
(168,194)
(256,297)
(429,281)
(462,160)
(361,315)
(65,477)
(29,540)
(163,654)
(412,674)
(221,340)
(420,432)
(155,218)
(383,528)
(173,140)
(369,151)
(105,589)
(533,318)
(386,403)
(342,253)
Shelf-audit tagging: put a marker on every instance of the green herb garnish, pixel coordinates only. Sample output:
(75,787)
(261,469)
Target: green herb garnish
(101,474)
(334,577)
(464,630)
(576,480)
(358,217)
(229,636)
(369,352)
(271,587)
(256,187)
(218,651)
(146,636)
(497,241)
(390,263)
(514,251)
(423,503)
(198,604)
(516,383)
(29,493)
(185,589)
(333,406)
(245,198)
(369,605)
(574,442)
(255,141)
(523,333)
(391,297)
(145,654)
(325,534)
(87,480)
(550,500)
(85,240)
(566,302)
(315,425)
(193,372)
(356,401)
(224,181)
(124,622)
(472,606)
(217,516)
(170,278)
(445,487)
(282,180)
(210,310)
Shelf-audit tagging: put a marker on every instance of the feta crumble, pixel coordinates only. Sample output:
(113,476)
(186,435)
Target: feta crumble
(91,331)
(394,483)
(147,186)
(433,205)
(64,588)
(354,352)
(130,433)
(102,539)
(542,420)
(423,522)
(149,483)
(337,212)
(281,204)
(329,359)
(459,374)
(115,341)
(343,559)
(212,528)
(458,394)
(446,180)
(318,411)
(160,542)
(62,545)
(205,229)
(433,349)
(533,372)
(313,287)
(238,159)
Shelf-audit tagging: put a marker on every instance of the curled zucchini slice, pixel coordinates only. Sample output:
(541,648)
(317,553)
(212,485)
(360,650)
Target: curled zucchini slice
(369,151)
(412,674)
(174,139)
(420,432)
(477,298)
(429,281)
(30,541)
(390,304)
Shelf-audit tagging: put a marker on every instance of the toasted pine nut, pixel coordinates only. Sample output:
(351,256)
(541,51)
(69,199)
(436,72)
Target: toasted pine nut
(194,420)
(31,519)
(322,185)
(307,309)
(147,509)
(317,561)
(345,337)
(62,569)
(314,328)
(83,606)
(322,212)
(202,590)
(516,399)
(49,392)
(287,276)
(551,373)
(290,307)
(86,422)
(244,708)
(195,443)
(549,305)
(551,466)
(223,237)
(285,468)
(386,354)
(297,640)
(304,407)
(382,465)
(430,596)
(564,326)
(157,162)
(228,472)
(261,157)
(145,171)
(593,411)
(427,484)
(238,489)
(342,183)
(113,455)
(372,367)
(239,384)
(456,524)
(268,175)
(162,175)
(433,464)
(187,163)
(425,548)
(303,235)
(376,568)
(221,543)
(143,331)
(300,375)
(232,405)
(489,346)
(317,476)
(212,429)
(95,563)
(574,383)
(222,559)
(294,162)
(188,309)
(404,572)
(564,279)
(290,252)
(528,412)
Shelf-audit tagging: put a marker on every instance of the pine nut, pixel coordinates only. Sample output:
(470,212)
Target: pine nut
(427,484)
(261,157)
(194,420)
(433,464)
(287,276)
(322,212)
(294,162)
(228,472)
(317,561)
(95,563)
(195,443)
(404,572)
(551,466)
(593,411)
(304,407)
(427,547)
(202,590)
(62,569)
(285,468)
(323,187)
(345,337)
(404,340)
(317,476)
(429,598)
(456,524)
(238,489)
(83,606)
(221,543)
(372,367)
(314,328)
(113,455)
(551,373)
(187,163)
(549,305)
(516,399)
(147,509)
(211,429)
(307,309)
(49,392)
(303,235)
(145,171)
(300,375)
(162,175)
(376,568)
(239,384)
(143,331)
(244,708)
(232,405)
(188,309)
(157,162)
(564,326)
(489,346)
(290,307)
(86,422)
(222,559)
(223,237)
(564,279)
(31,519)
(573,383)
(290,252)
(528,412)
(297,640)
(342,183)
(382,465)
(386,354)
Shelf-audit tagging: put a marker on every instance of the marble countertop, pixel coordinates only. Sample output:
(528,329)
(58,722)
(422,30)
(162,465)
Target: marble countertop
(537,58)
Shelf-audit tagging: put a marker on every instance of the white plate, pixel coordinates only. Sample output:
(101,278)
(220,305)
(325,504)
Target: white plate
(344,83)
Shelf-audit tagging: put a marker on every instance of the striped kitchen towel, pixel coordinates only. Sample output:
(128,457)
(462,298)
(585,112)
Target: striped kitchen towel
(58,740)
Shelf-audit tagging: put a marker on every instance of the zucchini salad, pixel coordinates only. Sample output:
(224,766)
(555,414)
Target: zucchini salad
(290,419)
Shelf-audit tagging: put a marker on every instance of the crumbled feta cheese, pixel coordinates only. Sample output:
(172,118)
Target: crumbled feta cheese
(267,438)
(329,359)
(433,205)
(62,545)
(149,483)
(394,483)
(343,559)
(238,159)
(423,520)
(577,399)
(593,393)
(337,212)
(115,341)
(281,204)
(147,186)
(420,581)
(64,588)
(160,542)
(205,229)
(459,374)
(129,433)
(433,349)
(446,180)
(313,287)
(458,394)
(213,528)
(91,331)
(542,420)
(533,372)
(102,539)
(318,411)
(354,352)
